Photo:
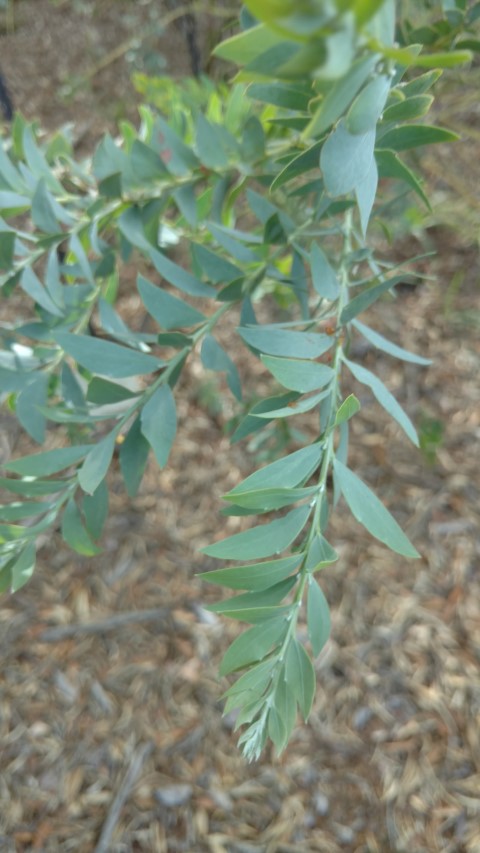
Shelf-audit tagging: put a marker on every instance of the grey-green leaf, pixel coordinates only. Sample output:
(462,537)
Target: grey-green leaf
(22,568)
(49,462)
(255,576)
(253,645)
(179,277)
(282,342)
(97,463)
(370,512)
(318,617)
(105,357)
(287,472)
(348,408)
(300,676)
(368,105)
(320,554)
(324,278)
(299,374)
(214,357)
(389,347)
(167,310)
(384,397)
(365,193)
(265,500)
(346,159)
(261,541)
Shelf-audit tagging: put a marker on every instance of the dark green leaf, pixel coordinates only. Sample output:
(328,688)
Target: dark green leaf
(253,422)
(252,145)
(411,108)
(421,84)
(415,135)
(390,166)
(7,245)
(159,423)
(105,393)
(95,510)
(134,452)
(74,532)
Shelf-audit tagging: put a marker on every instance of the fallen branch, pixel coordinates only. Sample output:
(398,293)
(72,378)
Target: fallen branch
(136,763)
(63,632)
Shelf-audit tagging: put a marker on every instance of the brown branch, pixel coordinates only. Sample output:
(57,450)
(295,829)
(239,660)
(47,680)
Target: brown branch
(63,632)
(136,763)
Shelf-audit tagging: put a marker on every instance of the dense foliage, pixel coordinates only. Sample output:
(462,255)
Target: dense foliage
(229,196)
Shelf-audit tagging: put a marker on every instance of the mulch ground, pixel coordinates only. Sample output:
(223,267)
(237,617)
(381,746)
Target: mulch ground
(111,728)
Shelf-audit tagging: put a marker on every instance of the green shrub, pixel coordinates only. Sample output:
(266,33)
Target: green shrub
(266,188)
